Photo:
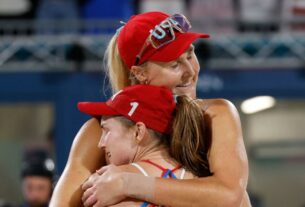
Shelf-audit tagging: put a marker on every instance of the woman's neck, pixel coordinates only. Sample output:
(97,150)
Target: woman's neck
(152,152)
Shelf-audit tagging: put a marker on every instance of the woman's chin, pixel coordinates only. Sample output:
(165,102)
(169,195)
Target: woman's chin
(188,91)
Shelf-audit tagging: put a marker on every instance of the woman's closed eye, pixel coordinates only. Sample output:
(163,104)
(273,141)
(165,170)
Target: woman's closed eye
(175,65)
(189,57)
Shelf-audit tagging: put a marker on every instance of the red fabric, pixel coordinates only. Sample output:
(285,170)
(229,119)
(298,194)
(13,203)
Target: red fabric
(164,170)
(154,107)
(134,33)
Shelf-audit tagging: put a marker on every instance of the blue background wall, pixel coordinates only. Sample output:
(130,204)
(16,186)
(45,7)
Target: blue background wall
(65,89)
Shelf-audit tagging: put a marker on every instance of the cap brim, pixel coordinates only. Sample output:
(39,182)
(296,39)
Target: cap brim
(173,50)
(96,109)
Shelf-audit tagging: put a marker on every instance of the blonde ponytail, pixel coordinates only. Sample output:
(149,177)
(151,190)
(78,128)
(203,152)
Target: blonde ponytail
(116,69)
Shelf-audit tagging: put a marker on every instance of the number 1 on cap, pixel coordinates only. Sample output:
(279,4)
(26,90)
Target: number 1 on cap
(134,106)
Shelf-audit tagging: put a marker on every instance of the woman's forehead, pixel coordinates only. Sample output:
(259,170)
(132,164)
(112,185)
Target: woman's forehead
(149,63)
(105,119)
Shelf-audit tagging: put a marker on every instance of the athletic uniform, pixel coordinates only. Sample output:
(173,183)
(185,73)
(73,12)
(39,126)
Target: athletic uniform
(166,173)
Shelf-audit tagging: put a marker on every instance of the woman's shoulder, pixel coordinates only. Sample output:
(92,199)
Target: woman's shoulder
(216,106)
(151,171)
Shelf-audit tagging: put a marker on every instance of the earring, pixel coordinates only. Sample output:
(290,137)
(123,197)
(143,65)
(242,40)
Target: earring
(146,82)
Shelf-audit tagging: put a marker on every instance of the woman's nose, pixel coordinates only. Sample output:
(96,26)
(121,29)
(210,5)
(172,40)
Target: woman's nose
(187,68)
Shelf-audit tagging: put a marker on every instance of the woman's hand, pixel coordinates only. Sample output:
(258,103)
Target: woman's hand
(105,187)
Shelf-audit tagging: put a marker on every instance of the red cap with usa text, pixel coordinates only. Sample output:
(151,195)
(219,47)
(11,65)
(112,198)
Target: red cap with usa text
(133,34)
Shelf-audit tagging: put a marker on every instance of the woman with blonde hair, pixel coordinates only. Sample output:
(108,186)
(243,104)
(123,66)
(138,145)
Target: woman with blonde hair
(155,48)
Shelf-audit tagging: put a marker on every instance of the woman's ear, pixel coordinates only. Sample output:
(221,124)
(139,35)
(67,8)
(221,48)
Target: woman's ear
(139,73)
(140,131)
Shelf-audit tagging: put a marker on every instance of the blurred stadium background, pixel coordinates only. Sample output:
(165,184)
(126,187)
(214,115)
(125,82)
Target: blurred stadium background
(51,55)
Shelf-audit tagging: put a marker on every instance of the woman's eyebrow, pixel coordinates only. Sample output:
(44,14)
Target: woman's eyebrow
(103,123)
(190,49)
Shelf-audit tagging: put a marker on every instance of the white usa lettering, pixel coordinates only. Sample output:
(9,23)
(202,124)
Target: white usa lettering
(160,30)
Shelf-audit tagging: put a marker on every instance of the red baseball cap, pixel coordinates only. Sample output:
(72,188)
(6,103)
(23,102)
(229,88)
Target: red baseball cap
(133,34)
(152,105)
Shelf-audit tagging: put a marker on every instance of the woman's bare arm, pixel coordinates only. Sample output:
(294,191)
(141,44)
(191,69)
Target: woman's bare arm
(85,157)
(227,159)
(228,162)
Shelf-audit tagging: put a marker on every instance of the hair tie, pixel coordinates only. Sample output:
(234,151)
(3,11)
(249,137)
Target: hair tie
(121,27)
(175,98)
